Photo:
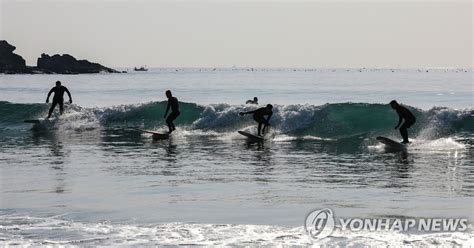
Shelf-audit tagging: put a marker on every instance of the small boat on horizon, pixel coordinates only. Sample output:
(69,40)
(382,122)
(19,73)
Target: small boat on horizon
(142,68)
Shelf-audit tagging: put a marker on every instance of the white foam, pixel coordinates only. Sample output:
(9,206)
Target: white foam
(32,231)
(79,120)
(284,138)
(422,145)
(442,144)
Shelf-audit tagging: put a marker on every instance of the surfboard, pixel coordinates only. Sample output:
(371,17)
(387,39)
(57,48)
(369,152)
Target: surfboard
(391,144)
(251,136)
(32,121)
(156,135)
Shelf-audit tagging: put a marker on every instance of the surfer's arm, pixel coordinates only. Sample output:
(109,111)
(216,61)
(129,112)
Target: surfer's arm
(49,94)
(269,116)
(69,94)
(249,112)
(167,109)
(400,119)
(268,122)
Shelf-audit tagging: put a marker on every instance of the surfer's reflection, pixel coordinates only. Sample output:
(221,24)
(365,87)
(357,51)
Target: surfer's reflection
(170,148)
(262,161)
(399,168)
(53,142)
(39,137)
(264,165)
(119,141)
(259,145)
(57,151)
(403,158)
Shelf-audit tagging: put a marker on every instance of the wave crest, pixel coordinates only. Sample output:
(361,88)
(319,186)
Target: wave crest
(327,121)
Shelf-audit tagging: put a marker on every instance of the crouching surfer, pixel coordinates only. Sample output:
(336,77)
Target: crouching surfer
(403,114)
(259,117)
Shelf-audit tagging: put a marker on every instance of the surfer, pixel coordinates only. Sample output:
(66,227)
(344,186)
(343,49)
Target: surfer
(259,116)
(174,105)
(58,98)
(254,101)
(403,114)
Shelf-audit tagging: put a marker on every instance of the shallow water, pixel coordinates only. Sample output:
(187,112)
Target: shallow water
(92,179)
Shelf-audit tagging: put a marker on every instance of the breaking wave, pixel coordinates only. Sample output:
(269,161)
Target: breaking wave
(327,121)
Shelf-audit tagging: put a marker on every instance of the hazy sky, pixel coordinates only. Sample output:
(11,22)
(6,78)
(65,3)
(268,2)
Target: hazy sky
(244,33)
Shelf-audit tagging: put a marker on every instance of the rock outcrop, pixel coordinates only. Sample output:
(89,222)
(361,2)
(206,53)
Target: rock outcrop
(9,61)
(62,64)
(67,64)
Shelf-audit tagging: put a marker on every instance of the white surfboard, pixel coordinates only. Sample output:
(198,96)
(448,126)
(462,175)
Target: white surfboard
(391,144)
(251,136)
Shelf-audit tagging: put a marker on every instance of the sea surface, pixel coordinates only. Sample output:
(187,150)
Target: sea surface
(89,178)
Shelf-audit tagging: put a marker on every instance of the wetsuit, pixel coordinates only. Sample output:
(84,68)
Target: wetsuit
(58,98)
(259,116)
(174,105)
(410,119)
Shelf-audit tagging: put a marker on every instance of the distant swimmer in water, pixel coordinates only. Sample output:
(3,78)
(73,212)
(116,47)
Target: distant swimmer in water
(254,101)
(403,114)
(58,98)
(259,116)
(174,105)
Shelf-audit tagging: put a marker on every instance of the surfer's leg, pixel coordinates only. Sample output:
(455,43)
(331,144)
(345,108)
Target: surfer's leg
(404,133)
(404,130)
(260,121)
(61,107)
(175,115)
(169,124)
(51,109)
(169,121)
(265,125)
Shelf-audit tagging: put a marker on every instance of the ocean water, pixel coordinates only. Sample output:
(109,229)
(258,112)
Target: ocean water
(90,178)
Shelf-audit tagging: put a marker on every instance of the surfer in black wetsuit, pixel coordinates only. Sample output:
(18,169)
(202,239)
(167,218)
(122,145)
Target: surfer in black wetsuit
(403,114)
(259,116)
(58,98)
(254,101)
(174,105)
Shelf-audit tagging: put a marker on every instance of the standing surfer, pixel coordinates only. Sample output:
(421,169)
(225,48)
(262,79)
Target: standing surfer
(403,114)
(259,116)
(174,105)
(58,98)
